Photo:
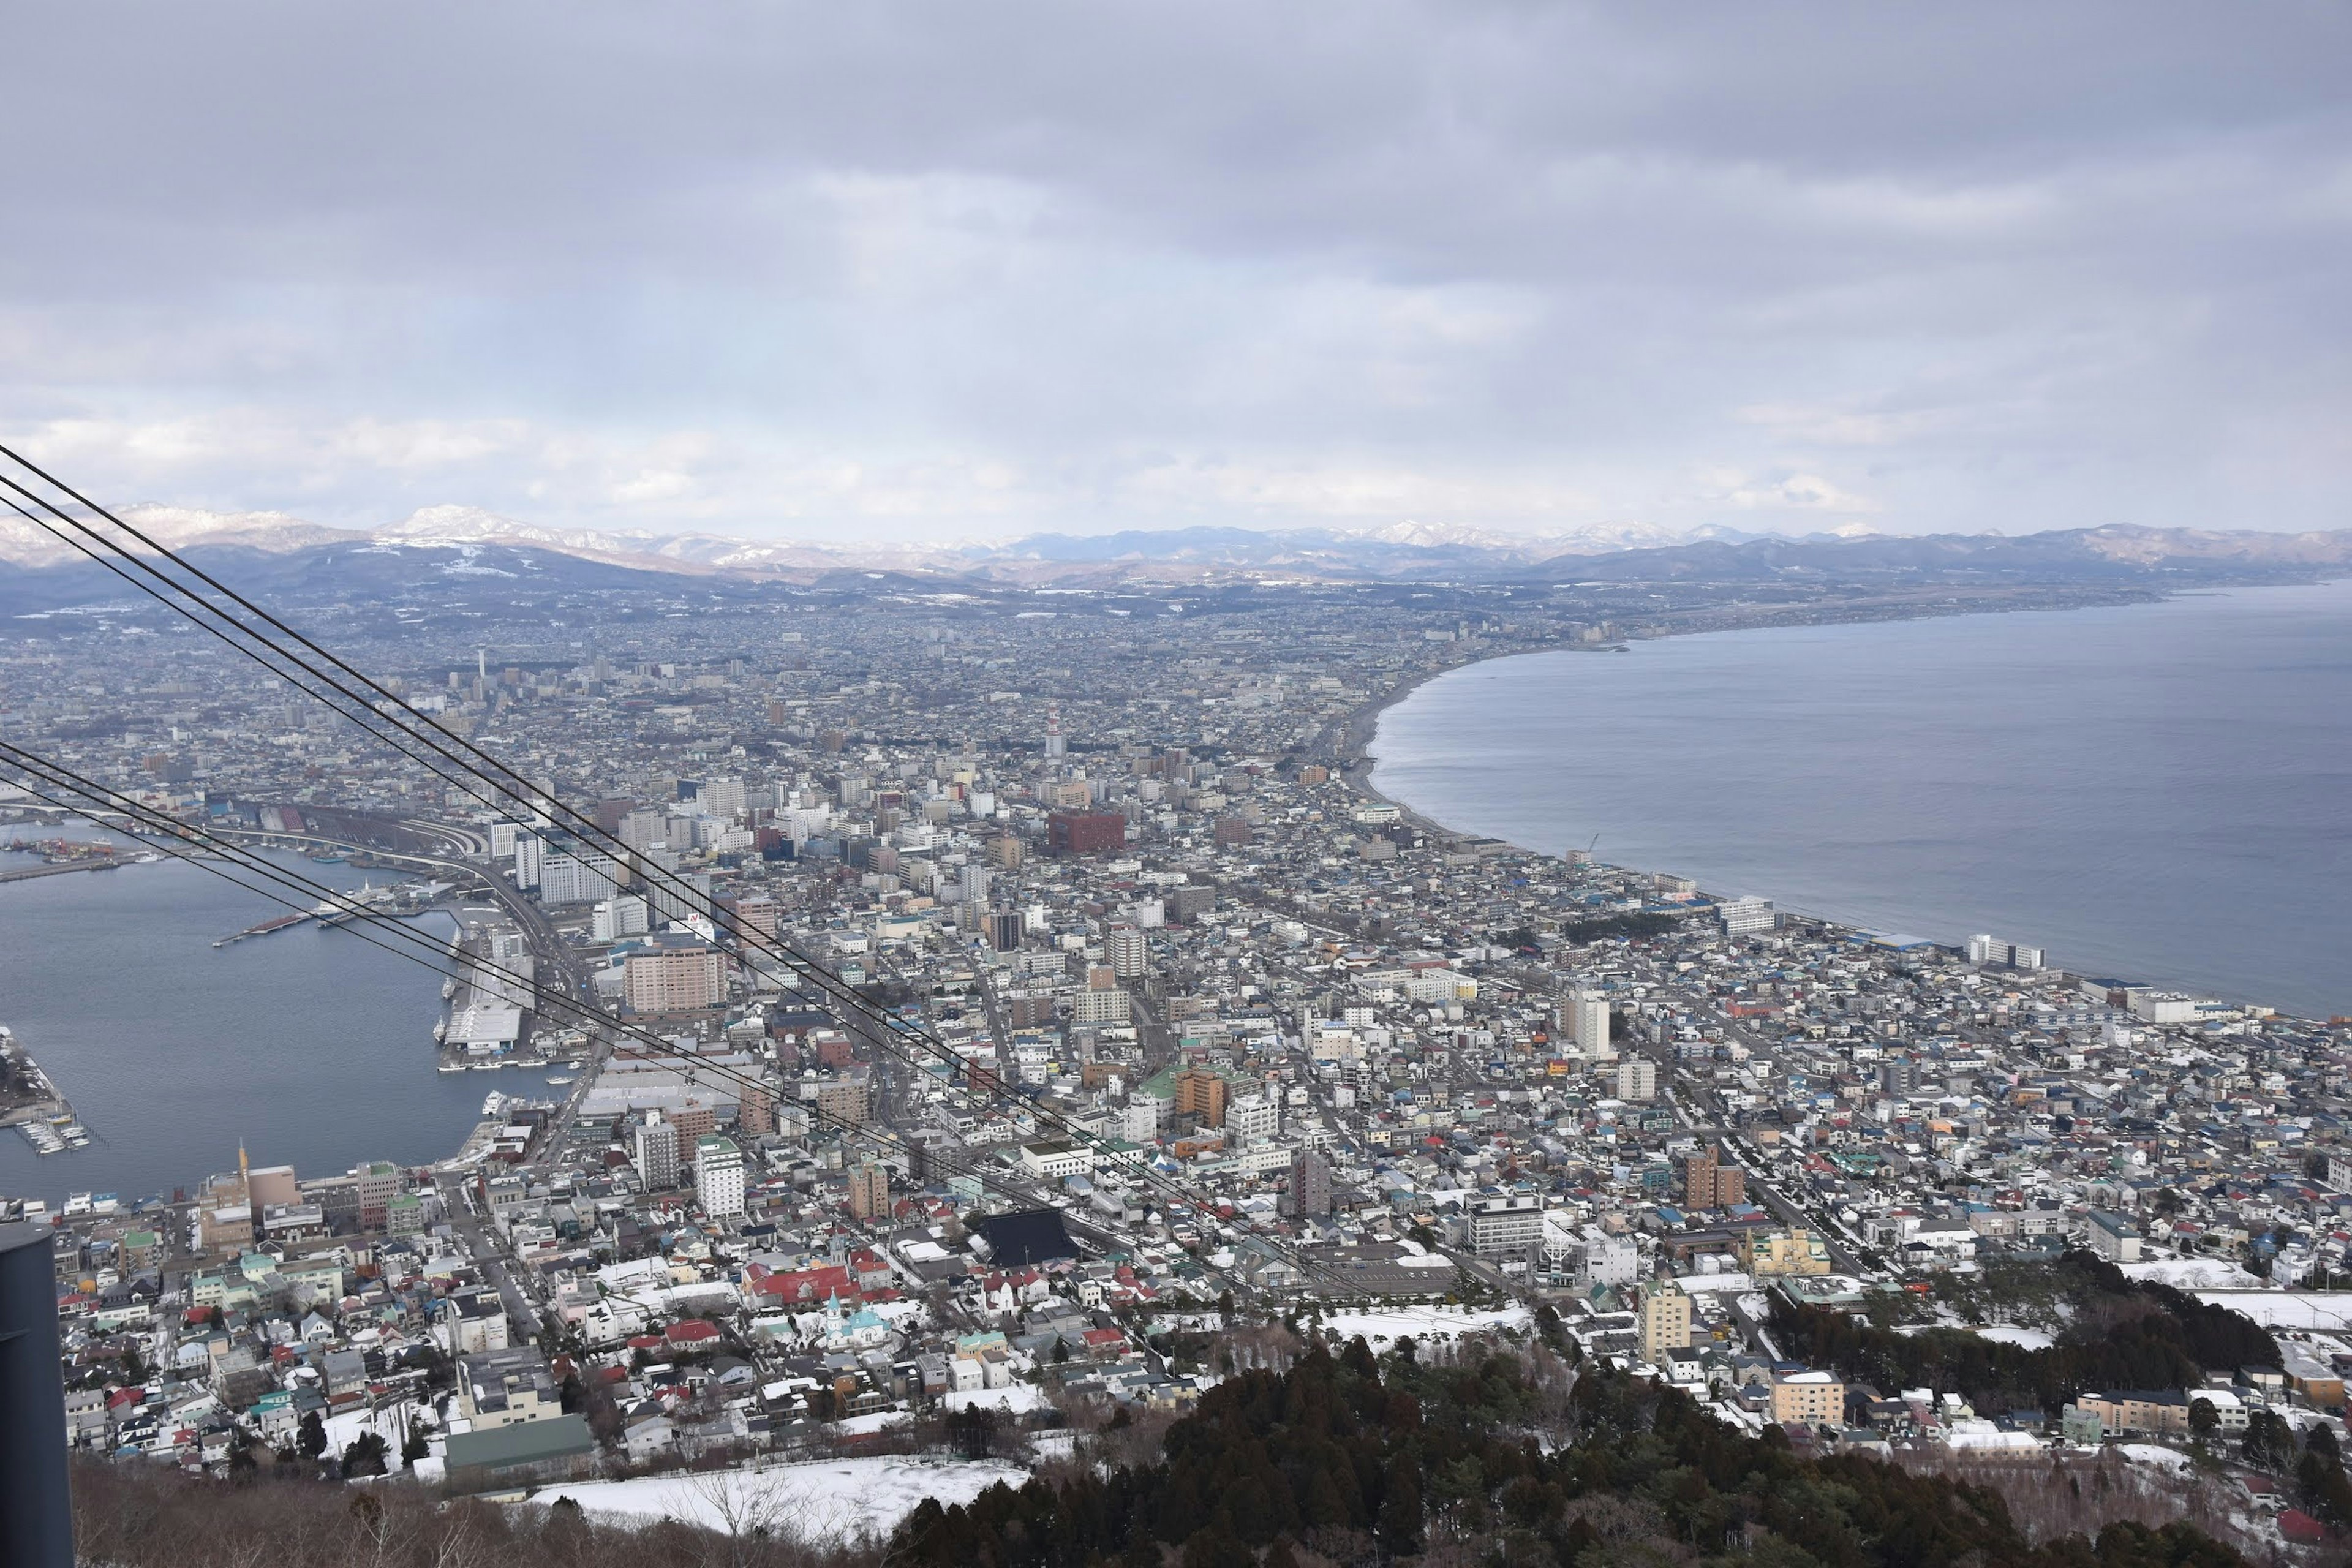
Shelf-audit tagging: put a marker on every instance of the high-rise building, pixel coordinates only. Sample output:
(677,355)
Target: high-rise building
(1201,1094)
(1085,832)
(839,1100)
(527,852)
(1742,917)
(1000,929)
(718,1175)
(1707,1184)
(1310,1183)
(1666,1320)
(1007,851)
(721,798)
(1993,951)
(578,878)
(379,1184)
(618,918)
(1637,1078)
(1055,744)
(869,1190)
(1584,1021)
(1253,1119)
(685,979)
(656,1159)
(1129,952)
(1507,1227)
(755,1110)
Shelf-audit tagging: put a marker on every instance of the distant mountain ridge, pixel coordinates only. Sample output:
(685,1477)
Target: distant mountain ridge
(1401,552)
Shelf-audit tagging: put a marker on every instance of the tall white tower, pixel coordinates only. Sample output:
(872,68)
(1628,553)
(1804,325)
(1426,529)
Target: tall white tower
(1055,745)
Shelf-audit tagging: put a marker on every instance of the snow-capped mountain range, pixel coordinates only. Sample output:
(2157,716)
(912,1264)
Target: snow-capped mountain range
(1393,552)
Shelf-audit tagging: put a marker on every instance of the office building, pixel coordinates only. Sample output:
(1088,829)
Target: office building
(615,918)
(656,1160)
(1201,1094)
(1744,917)
(838,1100)
(869,1190)
(1085,832)
(1994,952)
(687,978)
(1707,1184)
(1000,929)
(1253,1119)
(1310,1183)
(719,1176)
(1507,1227)
(1809,1399)
(529,850)
(755,1110)
(1584,1023)
(1128,951)
(578,878)
(379,1184)
(1637,1079)
(1666,1320)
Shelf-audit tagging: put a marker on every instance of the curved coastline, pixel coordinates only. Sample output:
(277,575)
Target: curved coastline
(1357,745)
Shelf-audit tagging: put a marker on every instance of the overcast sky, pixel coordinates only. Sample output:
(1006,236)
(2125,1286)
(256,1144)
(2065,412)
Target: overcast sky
(868,270)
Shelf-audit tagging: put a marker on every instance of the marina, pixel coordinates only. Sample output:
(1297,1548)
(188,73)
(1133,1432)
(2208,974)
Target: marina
(31,1103)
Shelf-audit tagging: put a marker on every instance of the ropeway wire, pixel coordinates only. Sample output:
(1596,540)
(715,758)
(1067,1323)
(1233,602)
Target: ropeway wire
(427,953)
(367,714)
(535,801)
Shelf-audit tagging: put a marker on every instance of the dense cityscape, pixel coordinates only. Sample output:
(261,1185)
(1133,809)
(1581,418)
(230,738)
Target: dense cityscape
(1229,786)
(1218,1036)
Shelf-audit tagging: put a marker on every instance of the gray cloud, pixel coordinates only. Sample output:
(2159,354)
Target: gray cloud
(929,271)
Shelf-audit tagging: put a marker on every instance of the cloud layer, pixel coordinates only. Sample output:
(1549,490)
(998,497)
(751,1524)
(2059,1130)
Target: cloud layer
(931,271)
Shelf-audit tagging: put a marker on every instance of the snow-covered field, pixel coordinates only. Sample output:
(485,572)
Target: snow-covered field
(391,1424)
(2329,1310)
(1384,1329)
(2010,1334)
(829,1499)
(2192,1273)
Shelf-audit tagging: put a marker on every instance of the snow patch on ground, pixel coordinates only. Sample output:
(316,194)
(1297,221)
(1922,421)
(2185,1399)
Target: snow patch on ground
(2149,1454)
(2010,1334)
(1384,1329)
(833,1499)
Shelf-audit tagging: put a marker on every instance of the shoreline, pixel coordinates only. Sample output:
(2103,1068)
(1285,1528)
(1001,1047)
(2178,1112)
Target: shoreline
(1355,762)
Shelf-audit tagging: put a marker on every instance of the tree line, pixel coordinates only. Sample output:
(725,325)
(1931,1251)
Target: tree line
(1353,1458)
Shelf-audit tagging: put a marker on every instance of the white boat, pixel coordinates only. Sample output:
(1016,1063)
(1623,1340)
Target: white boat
(451,1067)
(562,1077)
(495,1104)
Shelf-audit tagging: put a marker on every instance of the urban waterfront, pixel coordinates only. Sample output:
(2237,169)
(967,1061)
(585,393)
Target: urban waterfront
(311,1046)
(2159,792)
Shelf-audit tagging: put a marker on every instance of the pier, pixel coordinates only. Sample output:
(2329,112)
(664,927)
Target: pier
(29,872)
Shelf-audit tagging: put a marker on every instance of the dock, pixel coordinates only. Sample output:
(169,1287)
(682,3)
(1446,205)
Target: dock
(29,872)
(275,923)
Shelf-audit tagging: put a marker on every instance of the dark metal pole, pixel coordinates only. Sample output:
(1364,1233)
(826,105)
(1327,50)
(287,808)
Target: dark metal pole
(35,1502)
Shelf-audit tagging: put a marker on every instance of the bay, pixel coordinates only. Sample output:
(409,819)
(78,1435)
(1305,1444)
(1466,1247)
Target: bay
(2160,793)
(312,1047)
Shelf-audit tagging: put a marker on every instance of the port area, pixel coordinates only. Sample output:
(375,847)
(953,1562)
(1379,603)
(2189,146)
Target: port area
(405,898)
(30,1103)
(61,856)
